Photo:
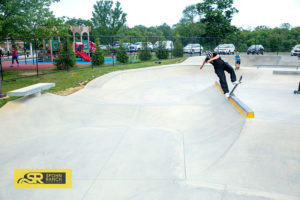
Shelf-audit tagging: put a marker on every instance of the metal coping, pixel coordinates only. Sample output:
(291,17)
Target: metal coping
(238,104)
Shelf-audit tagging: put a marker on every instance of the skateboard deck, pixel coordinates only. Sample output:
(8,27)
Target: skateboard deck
(231,92)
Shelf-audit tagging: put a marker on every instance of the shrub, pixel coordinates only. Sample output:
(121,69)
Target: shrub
(178,49)
(145,53)
(98,56)
(161,51)
(122,55)
(66,58)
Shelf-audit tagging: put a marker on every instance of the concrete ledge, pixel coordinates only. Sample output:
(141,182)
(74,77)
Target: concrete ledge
(238,104)
(291,72)
(33,89)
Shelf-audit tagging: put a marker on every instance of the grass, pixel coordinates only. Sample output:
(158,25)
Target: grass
(70,79)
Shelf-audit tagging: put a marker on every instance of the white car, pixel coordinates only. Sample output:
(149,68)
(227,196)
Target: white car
(225,49)
(296,50)
(139,46)
(168,44)
(193,48)
(3,50)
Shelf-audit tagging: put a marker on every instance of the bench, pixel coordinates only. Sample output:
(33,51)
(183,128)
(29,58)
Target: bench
(30,90)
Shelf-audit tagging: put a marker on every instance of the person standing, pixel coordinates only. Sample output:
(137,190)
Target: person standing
(14,56)
(1,53)
(237,61)
(220,66)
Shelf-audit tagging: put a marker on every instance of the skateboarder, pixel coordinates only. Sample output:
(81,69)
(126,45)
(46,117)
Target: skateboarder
(220,66)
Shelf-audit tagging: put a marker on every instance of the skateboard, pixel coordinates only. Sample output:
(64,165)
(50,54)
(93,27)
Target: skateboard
(231,92)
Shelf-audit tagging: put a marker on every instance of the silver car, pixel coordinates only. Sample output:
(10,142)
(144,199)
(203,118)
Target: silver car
(140,45)
(193,48)
(225,49)
(296,50)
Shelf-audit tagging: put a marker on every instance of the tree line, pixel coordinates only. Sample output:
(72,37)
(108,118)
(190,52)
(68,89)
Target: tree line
(207,23)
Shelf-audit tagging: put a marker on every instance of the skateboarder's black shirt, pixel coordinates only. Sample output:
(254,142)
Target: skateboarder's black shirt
(216,63)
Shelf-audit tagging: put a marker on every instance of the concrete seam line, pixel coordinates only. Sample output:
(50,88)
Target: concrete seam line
(105,163)
(238,104)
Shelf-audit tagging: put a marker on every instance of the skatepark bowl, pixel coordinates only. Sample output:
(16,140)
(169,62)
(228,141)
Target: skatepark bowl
(159,133)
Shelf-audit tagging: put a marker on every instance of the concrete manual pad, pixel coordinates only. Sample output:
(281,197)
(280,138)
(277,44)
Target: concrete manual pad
(32,89)
(159,133)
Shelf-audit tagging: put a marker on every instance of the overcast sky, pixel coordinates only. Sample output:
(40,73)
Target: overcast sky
(252,13)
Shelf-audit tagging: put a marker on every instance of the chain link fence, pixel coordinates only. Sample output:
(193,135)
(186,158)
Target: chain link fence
(36,56)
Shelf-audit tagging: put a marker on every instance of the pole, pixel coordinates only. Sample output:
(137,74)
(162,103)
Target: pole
(277,45)
(130,49)
(298,60)
(112,50)
(1,95)
(7,45)
(66,48)
(172,48)
(31,52)
(36,59)
(25,53)
(1,70)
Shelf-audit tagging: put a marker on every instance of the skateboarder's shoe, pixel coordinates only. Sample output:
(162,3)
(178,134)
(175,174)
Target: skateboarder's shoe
(227,95)
(236,82)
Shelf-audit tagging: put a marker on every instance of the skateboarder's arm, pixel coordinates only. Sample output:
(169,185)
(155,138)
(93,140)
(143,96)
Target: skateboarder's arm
(203,64)
(214,58)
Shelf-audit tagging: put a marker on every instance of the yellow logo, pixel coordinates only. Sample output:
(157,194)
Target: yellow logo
(43,178)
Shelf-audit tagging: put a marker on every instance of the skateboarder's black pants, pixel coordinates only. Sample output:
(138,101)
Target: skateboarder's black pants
(220,72)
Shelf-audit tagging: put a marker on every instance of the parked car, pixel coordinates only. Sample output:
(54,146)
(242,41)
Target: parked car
(168,45)
(296,50)
(225,49)
(103,47)
(139,46)
(256,49)
(193,48)
(127,46)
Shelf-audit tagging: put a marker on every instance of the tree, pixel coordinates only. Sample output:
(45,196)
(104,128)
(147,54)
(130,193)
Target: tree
(286,26)
(165,29)
(178,49)
(107,20)
(161,51)
(145,53)
(78,22)
(189,25)
(217,16)
(189,15)
(27,18)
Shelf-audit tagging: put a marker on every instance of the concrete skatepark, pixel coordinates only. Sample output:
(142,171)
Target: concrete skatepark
(159,133)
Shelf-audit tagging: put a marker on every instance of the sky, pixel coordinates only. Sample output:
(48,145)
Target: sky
(252,13)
